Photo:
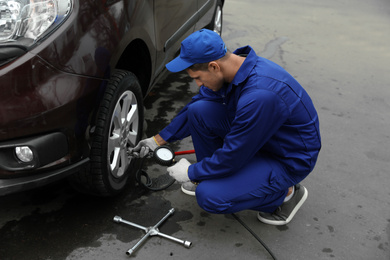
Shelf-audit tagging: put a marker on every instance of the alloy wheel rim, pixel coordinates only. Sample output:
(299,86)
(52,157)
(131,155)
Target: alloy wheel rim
(123,133)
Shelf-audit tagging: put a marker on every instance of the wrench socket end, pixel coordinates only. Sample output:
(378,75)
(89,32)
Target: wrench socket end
(117,219)
(187,244)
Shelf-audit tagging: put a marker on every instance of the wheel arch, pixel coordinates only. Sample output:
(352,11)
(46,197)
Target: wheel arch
(136,58)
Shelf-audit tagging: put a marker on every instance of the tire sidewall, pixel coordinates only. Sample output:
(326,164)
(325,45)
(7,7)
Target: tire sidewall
(121,82)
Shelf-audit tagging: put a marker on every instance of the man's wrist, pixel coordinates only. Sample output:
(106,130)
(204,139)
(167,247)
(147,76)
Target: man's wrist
(154,138)
(159,140)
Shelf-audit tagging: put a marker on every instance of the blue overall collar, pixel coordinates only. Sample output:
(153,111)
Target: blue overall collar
(245,69)
(241,75)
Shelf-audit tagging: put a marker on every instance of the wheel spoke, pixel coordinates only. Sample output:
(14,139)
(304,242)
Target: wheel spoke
(115,138)
(133,121)
(116,121)
(114,148)
(124,162)
(132,115)
(114,142)
(126,106)
(114,164)
(132,138)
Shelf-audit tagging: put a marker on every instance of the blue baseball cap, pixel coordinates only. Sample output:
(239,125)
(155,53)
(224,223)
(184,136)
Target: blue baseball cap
(200,47)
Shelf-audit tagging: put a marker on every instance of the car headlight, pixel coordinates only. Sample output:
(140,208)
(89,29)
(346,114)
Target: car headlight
(27,20)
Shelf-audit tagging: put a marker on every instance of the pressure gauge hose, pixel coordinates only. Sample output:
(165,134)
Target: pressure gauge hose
(164,156)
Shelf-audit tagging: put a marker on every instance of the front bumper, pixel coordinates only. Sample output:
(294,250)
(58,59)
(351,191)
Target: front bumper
(46,149)
(8,186)
(48,165)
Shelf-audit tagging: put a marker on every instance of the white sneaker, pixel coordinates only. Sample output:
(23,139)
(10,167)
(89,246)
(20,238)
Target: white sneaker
(188,188)
(285,213)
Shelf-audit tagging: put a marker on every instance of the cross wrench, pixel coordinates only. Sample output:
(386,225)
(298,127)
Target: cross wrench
(151,231)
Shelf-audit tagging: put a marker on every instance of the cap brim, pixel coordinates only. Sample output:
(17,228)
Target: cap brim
(178,65)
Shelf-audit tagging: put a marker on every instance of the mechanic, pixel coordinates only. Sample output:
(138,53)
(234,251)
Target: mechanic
(254,128)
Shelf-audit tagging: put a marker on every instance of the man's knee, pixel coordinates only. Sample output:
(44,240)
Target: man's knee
(209,110)
(198,110)
(211,201)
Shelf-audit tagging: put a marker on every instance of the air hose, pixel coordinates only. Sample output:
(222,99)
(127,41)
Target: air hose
(255,235)
(149,184)
(164,156)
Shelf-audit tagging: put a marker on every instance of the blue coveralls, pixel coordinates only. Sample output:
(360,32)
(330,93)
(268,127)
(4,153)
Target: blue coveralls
(254,138)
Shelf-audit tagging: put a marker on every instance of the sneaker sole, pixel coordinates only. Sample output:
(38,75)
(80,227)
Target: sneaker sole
(284,222)
(191,193)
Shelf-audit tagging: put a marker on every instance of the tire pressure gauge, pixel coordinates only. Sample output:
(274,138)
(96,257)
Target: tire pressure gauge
(164,155)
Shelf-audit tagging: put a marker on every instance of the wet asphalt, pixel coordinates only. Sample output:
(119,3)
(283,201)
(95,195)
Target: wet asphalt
(339,51)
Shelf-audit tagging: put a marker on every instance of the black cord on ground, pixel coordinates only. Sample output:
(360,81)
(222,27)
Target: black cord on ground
(254,234)
(149,183)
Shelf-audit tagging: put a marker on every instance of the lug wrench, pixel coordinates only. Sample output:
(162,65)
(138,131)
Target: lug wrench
(151,231)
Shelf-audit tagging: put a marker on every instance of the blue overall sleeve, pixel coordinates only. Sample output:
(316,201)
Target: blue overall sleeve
(178,128)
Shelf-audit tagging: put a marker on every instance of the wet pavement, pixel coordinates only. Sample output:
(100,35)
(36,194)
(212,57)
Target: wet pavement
(339,51)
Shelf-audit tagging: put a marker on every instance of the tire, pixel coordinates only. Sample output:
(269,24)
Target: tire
(216,23)
(119,126)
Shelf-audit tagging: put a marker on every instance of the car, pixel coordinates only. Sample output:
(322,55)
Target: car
(73,77)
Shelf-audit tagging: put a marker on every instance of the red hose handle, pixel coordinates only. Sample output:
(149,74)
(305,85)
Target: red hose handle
(185,152)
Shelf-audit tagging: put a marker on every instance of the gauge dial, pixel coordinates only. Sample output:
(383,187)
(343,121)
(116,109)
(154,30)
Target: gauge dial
(164,155)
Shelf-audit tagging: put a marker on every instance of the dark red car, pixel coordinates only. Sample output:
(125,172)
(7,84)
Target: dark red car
(73,76)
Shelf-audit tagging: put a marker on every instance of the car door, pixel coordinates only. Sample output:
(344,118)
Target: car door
(206,14)
(174,21)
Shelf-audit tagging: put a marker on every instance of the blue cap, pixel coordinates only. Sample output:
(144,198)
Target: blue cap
(200,47)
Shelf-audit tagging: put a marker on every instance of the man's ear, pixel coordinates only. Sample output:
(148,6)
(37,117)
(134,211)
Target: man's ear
(214,66)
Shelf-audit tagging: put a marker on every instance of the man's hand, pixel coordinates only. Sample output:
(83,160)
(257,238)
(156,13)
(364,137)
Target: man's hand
(179,171)
(144,147)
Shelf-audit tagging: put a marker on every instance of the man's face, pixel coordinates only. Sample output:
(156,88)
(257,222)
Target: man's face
(209,78)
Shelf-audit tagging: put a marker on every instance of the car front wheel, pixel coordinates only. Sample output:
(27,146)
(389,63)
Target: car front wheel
(118,127)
